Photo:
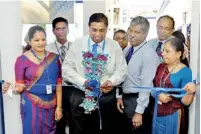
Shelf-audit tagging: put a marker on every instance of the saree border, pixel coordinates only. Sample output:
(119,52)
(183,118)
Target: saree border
(39,102)
(41,69)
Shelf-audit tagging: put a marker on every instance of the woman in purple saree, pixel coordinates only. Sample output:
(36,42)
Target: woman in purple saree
(38,79)
(173,73)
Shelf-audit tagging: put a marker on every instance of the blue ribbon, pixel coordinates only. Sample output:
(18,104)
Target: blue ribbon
(96,87)
(2,122)
(158,90)
(155,92)
(164,90)
(155,111)
(96,93)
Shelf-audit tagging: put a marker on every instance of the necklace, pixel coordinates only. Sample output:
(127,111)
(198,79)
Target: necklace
(35,55)
(163,81)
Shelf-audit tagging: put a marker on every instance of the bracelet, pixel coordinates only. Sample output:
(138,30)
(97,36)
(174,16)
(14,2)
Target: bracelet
(59,109)
(191,93)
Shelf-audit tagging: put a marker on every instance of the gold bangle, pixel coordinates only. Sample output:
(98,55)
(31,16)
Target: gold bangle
(59,109)
(191,93)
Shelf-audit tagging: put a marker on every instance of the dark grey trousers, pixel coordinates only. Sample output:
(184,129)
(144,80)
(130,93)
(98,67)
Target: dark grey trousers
(130,103)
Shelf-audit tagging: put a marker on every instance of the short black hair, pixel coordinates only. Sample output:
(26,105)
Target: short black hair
(167,17)
(98,17)
(59,19)
(120,31)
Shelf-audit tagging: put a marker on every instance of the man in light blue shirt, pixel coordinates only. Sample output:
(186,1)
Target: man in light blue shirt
(165,28)
(142,63)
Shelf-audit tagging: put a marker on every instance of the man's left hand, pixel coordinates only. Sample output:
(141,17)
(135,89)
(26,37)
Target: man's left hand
(106,86)
(137,120)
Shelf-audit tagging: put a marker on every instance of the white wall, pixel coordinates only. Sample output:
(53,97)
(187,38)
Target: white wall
(98,7)
(10,47)
(194,126)
(176,8)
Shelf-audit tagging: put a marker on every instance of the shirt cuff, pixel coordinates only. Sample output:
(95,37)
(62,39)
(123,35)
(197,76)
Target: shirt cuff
(113,80)
(140,109)
(118,96)
(80,83)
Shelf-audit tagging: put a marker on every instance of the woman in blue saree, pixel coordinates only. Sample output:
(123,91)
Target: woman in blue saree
(172,74)
(38,79)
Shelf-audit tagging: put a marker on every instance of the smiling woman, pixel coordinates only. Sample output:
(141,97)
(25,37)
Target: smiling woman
(38,80)
(173,73)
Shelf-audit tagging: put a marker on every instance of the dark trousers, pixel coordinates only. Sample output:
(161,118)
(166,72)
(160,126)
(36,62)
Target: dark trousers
(82,123)
(61,125)
(186,114)
(130,103)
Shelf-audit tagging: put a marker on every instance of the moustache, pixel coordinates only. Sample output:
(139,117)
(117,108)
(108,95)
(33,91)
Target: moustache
(131,38)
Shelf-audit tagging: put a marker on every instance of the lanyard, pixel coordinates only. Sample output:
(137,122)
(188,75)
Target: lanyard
(163,81)
(136,50)
(103,48)
(46,67)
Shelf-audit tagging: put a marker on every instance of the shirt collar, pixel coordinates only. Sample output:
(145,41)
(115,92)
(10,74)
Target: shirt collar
(59,45)
(163,40)
(135,48)
(99,44)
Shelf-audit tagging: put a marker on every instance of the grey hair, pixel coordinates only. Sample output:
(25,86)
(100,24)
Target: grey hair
(143,22)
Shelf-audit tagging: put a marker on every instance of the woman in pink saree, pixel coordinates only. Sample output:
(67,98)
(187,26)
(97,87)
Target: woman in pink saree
(38,79)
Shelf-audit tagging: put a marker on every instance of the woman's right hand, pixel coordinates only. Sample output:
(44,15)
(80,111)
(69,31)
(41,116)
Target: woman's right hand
(6,86)
(164,98)
(19,87)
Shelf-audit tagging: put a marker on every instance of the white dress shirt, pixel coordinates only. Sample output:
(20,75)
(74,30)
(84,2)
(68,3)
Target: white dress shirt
(55,47)
(141,71)
(115,69)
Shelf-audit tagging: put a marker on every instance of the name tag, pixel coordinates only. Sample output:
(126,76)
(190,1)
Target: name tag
(49,89)
(10,92)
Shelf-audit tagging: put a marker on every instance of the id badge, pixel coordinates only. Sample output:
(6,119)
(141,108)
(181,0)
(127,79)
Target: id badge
(49,89)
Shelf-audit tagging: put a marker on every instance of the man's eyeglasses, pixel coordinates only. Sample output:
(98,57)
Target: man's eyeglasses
(166,29)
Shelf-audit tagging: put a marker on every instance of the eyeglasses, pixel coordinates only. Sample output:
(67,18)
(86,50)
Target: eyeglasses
(168,51)
(166,29)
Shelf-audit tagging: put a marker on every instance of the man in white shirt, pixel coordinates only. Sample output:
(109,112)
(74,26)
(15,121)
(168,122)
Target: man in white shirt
(165,28)
(60,46)
(142,63)
(114,73)
(60,30)
(121,37)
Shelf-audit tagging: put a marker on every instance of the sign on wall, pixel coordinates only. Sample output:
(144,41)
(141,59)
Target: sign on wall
(43,11)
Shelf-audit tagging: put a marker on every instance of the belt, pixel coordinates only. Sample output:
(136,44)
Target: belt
(130,94)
